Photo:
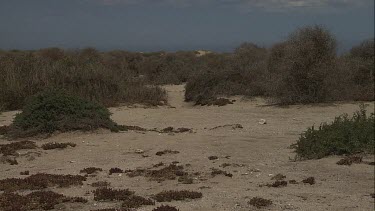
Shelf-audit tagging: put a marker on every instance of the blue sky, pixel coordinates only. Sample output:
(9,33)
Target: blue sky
(153,25)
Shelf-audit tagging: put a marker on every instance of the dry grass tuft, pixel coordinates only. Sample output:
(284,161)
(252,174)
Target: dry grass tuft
(44,200)
(40,181)
(260,202)
(168,196)
(55,145)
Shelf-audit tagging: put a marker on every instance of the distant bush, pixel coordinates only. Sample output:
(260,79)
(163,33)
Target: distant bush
(344,136)
(299,66)
(242,73)
(52,111)
(84,73)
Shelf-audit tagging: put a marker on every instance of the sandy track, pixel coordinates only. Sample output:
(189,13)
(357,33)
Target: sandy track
(262,147)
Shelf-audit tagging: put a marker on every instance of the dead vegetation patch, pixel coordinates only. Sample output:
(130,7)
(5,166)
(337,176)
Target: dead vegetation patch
(8,159)
(24,172)
(170,172)
(91,170)
(232,126)
(129,200)
(165,208)
(294,182)
(109,194)
(167,151)
(168,196)
(177,130)
(4,130)
(136,202)
(40,181)
(277,184)
(309,180)
(55,145)
(100,184)
(115,171)
(214,101)
(45,200)
(186,179)
(12,148)
(349,160)
(260,202)
(213,157)
(165,130)
(216,172)
(278,177)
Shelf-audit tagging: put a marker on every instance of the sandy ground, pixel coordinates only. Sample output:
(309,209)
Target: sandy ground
(261,151)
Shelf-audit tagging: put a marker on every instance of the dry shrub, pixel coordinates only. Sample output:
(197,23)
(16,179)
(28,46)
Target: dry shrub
(12,148)
(309,180)
(84,73)
(40,181)
(349,160)
(168,196)
(91,170)
(39,200)
(109,194)
(165,208)
(260,202)
(55,145)
(299,66)
(170,172)
(100,184)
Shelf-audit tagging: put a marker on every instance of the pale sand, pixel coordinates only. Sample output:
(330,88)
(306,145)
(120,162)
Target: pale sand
(263,147)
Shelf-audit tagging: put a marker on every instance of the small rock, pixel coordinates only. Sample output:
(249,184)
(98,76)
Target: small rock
(213,158)
(139,151)
(262,122)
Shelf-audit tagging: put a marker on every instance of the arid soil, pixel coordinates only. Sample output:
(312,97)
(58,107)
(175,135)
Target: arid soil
(251,154)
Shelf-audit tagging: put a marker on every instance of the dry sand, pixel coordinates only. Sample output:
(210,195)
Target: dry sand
(260,150)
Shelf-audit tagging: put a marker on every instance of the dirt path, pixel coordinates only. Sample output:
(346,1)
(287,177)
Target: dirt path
(255,152)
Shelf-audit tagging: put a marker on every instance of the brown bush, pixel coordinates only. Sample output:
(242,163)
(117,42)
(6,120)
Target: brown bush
(299,66)
(84,73)
(167,196)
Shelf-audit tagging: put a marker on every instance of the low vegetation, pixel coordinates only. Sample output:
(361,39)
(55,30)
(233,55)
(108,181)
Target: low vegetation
(127,197)
(109,79)
(52,111)
(54,145)
(39,200)
(344,136)
(40,181)
(304,68)
(12,148)
(165,208)
(260,202)
(168,196)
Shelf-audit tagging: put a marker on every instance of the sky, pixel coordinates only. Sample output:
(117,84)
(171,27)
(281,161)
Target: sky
(172,25)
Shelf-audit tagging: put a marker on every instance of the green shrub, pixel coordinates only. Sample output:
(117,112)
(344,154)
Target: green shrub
(52,111)
(344,136)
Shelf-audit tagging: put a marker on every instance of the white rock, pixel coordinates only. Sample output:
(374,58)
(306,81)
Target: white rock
(262,122)
(139,151)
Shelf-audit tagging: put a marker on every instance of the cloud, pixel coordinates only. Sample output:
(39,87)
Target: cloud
(269,5)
